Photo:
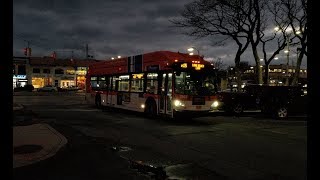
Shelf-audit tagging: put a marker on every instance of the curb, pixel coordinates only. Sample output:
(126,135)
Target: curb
(31,158)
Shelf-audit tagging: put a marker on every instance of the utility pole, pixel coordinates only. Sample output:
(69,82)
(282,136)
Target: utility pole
(87,49)
(287,65)
(28,48)
(72,55)
(28,51)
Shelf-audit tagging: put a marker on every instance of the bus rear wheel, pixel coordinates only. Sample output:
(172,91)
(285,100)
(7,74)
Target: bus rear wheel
(98,101)
(151,109)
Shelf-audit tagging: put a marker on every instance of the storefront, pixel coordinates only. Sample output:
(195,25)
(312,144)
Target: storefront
(19,80)
(38,82)
(67,82)
(41,81)
(81,77)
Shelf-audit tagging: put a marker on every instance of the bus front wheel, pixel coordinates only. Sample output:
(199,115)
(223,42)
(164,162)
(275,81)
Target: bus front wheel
(98,101)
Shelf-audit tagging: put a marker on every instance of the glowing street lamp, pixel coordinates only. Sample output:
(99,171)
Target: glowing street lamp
(119,57)
(287,51)
(112,58)
(192,49)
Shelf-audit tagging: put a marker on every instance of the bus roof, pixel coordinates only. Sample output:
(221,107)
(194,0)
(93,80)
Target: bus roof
(158,59)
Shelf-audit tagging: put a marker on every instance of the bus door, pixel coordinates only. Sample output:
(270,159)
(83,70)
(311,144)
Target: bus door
(111,92)
(166,94)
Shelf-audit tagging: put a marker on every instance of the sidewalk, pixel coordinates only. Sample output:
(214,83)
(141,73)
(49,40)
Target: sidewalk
(35,142)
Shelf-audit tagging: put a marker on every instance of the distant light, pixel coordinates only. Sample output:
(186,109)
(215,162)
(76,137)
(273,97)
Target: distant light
(251,67)
(190,49)
(298,32)
(283,72)
(119,56)
(276,28)
(191,53)
(276,58)
(112,58)
(261,66)
(289,29)
(231,68)
(211,64)
(286,51)
(176,60)
(142,106)
(280,82)
(261,59)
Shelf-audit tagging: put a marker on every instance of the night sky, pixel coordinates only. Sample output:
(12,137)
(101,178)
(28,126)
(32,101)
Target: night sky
(110,28)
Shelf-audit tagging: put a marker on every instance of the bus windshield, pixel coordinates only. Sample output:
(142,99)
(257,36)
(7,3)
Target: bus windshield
(189,83)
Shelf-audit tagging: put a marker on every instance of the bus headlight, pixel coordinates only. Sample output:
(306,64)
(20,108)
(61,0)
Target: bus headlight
(178,103)
(215,104)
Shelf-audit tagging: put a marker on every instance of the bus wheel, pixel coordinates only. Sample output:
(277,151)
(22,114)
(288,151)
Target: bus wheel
(151,109)
(98,101)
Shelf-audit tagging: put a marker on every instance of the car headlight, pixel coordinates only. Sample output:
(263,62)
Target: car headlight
(178,103)
(215,104)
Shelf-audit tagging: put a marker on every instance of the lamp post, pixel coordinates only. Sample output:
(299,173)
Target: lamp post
(191,49)
(287,65)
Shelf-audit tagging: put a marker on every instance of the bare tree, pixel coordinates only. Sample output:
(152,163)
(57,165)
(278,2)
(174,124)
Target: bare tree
(279,35)
(246,21)
(218,64)
(240,20)
(203,18)
(296,17)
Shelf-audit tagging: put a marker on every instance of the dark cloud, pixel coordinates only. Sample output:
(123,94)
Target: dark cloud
(110,27)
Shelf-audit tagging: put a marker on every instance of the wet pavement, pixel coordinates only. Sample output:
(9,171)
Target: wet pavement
(119,145)
(82,158)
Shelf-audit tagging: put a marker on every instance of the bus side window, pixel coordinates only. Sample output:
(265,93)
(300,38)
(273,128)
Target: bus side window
(152,83)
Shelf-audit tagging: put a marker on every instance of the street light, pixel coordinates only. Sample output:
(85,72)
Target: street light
(287,51)
(192,49)
(287,66)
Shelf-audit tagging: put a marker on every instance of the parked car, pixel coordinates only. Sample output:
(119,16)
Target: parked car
(73,88)
(276,101)
(48,88)
(236,102)
(283,101)
(27,87)
(62,89)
